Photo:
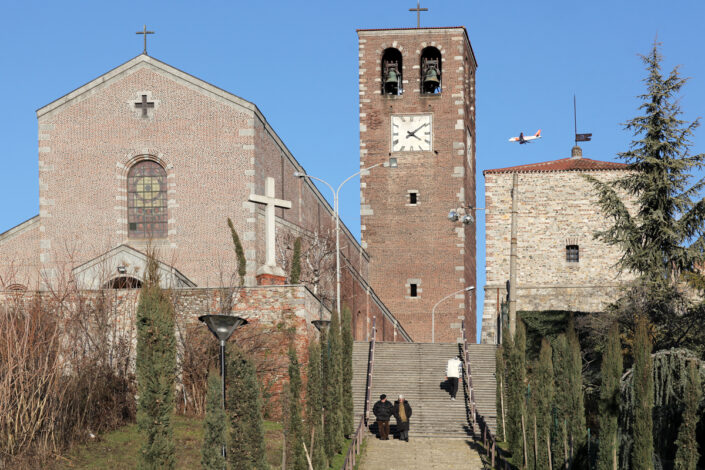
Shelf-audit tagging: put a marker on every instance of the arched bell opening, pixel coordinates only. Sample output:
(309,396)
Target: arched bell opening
(431,63)
(392,72)
(123,282)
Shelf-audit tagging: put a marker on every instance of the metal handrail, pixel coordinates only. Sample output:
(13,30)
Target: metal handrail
(354,449)
(370,369)
(488,439)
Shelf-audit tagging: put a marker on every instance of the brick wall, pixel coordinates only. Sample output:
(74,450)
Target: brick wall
(555,209)
(416,244)
(216,148)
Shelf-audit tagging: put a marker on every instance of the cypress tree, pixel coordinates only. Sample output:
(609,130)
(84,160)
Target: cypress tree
(334,390)
(643,383)
(687,454)
(576,402)
(326,401)
(156,372)
(244,408)
(296,455)
(314,409)
(239,252)
(295,274)
(542,397)
(214,426)
(561,401)
(347,340)
(612,365)
(516,391)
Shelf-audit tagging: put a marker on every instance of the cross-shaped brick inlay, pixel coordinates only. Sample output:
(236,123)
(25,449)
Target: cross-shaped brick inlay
(144,105)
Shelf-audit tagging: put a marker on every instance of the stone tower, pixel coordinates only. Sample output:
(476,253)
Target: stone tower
(417,119)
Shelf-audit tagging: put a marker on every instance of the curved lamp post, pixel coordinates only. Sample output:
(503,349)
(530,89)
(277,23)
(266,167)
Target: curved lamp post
(433,311)
(222,326)
(336,193)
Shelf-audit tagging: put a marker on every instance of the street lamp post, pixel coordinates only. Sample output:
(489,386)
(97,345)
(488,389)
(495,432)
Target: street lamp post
(222,326)
(433,310)
(336,210)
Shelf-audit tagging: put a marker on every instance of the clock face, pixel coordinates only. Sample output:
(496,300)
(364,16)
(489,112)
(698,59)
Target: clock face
(412,133)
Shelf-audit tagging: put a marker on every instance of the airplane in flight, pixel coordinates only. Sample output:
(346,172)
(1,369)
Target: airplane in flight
(525,140)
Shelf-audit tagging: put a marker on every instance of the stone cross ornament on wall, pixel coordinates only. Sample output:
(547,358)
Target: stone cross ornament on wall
(144,105)
(270,273)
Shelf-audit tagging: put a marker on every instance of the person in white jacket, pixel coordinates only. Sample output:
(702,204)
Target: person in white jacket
(453,372)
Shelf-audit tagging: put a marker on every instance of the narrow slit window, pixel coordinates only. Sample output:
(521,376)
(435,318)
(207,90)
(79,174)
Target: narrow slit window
(572,253)
(414,291)
(413,198)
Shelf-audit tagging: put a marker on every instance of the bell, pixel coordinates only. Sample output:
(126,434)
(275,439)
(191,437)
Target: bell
(431,81)
(391,83)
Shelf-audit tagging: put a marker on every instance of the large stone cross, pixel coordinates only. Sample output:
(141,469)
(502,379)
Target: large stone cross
(271,202)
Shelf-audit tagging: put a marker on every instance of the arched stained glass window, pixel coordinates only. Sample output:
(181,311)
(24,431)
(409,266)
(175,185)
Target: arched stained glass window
(146,200)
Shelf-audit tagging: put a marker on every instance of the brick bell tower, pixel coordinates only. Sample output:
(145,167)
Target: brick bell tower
(417,118)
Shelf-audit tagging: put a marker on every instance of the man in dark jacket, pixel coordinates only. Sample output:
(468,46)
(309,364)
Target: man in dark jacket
(383,411)
(402,412)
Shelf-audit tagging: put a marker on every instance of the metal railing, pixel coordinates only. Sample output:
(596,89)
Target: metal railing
(489,442)
(361,431)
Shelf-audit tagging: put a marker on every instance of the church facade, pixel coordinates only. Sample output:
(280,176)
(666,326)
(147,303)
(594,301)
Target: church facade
(149,158)
(560,265)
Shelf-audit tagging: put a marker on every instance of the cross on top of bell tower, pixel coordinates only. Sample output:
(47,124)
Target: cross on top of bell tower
(418,11)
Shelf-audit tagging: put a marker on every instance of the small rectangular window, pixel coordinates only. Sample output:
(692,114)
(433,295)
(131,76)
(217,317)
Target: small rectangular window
(414,292)
(572,253)
(413,198)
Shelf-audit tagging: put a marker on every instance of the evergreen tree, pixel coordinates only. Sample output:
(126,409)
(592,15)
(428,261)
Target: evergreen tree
(643,448)
(687,454)
(612,365)
(295,274)
(314,405)
(661,239)
(347,340)
(561,433)
(214,426)
(516,391)
(326,400)
(244,408)
(156,372)
(296,458)
(501,391)
(334,390)
(576,402)
(542,398)
(239,252)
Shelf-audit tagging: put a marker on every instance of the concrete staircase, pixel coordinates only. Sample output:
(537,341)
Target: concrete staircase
(417,370)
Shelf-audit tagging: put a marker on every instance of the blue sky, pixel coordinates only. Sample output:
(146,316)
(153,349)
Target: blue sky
(298,62)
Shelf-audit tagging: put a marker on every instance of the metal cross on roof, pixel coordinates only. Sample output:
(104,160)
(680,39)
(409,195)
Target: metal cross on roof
(418,11)
(145,32)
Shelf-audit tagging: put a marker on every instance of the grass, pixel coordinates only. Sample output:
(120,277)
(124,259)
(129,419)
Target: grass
(118,449)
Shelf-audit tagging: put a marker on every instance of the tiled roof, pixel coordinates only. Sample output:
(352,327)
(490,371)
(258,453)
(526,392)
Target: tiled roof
(564,164)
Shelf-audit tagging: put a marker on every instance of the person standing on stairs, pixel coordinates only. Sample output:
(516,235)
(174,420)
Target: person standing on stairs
(383,411)
(453,372)
(402,412)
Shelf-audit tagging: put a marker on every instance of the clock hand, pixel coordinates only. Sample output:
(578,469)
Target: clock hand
(411,134)
(418,128)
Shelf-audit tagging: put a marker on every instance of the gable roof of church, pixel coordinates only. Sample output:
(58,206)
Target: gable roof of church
(144,60)
(563,164)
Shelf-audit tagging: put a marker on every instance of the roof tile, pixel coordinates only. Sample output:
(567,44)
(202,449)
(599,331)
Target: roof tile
(563,164)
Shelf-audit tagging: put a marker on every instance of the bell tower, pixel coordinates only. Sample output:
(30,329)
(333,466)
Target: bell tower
(417,118)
